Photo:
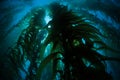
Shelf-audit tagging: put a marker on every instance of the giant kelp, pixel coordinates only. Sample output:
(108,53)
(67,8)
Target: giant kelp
(73,54)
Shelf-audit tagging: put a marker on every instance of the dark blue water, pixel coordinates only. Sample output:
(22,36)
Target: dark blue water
(105,14)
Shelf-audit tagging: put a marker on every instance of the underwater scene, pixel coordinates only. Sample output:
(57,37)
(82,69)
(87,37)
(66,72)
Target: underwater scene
(59,39)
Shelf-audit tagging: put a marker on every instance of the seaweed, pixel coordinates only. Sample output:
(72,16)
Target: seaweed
(72,42)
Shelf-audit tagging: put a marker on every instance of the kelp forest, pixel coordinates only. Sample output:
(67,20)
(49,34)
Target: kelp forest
(59,43)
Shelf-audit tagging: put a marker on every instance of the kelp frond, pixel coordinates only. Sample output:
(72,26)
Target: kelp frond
(72,36)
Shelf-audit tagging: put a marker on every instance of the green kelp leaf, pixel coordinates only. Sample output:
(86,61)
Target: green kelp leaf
(44,63)
(76,22)
(50,38)
(38,18)
(92,57)
(43,46)
(15,57)
(97,65)
(86,28)
(101,57)
(102,45)
(56,43)
(83,34)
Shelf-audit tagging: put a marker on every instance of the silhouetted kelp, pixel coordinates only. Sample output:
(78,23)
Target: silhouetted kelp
(73,54)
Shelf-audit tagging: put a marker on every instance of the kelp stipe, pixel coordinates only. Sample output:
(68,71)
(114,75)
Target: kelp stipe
(62,23)
(72,55)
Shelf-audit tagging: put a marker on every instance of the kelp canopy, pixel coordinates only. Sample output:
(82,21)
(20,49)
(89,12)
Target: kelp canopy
(65,46)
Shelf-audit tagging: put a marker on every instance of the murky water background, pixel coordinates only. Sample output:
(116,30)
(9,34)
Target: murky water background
(104,13)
